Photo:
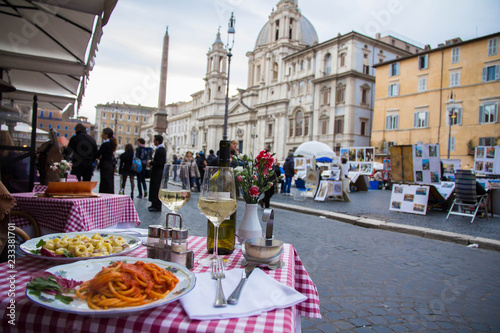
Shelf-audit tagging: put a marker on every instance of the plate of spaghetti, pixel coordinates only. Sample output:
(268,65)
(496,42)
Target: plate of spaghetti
(118,287)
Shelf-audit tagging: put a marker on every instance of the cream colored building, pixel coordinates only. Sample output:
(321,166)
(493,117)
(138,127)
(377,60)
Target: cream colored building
(125,120)
(413,98)
(298,90)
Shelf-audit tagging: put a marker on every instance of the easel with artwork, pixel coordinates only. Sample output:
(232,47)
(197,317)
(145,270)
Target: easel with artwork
(414,168)
(331,189)
(487,160)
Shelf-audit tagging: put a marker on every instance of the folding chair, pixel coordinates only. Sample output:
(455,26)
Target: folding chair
(466,197)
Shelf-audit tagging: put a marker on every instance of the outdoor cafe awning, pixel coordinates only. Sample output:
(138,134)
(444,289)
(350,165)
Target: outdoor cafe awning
(47,48)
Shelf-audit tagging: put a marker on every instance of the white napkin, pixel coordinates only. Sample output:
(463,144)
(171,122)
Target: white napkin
(261,293)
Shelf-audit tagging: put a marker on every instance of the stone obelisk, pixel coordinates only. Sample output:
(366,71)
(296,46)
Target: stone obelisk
(160,117)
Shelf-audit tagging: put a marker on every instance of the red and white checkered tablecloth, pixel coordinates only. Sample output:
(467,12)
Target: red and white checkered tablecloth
(39,188)
(30,317)
(77,214)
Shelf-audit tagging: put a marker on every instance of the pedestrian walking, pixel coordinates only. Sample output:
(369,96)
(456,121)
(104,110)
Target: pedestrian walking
(289,167)
(144,154)
(194,172)
(156,164)
(211,156)
(82,148)
(201,162)
(264,203)
(105,154)
(125,169)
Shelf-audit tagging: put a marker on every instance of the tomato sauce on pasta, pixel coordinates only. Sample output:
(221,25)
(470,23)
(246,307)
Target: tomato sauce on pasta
(123,284)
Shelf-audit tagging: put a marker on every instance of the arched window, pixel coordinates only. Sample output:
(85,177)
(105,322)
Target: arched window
(302,65)
(342,59)
(325,95)
(275,71)
(328,64)
(277,29)
(299,123)
(324,126)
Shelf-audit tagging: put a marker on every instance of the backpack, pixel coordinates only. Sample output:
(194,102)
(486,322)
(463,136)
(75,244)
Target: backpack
(136,165)
(146,154)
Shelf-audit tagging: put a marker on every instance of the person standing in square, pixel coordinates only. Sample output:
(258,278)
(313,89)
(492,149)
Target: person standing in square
(82,148)
(289,168)
(157,164)
(144,154)
(105,155)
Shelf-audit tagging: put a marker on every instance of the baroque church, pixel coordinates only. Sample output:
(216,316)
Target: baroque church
(298,90)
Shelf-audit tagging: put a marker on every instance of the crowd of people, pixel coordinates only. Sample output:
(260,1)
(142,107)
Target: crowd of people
(85,156)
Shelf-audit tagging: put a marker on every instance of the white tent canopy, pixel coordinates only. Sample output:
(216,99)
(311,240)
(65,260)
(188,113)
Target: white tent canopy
(315,149)
(47,48)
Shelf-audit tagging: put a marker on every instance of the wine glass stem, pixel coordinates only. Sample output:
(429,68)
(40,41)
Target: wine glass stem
(216,244)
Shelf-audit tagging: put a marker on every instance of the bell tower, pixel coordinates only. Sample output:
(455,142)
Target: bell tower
(215,79)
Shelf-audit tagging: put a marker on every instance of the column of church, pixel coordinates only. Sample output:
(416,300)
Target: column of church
(350,111)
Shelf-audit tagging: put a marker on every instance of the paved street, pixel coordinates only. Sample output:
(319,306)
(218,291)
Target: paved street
(372,280)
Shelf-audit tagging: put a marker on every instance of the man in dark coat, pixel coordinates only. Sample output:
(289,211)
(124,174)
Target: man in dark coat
(157,164)
(289,168)
(82,148)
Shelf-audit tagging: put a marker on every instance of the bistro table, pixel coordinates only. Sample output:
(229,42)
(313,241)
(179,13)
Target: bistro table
(31,317)
(76,214)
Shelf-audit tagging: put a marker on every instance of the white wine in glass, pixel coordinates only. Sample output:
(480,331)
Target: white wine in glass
(217,201)
(175,189)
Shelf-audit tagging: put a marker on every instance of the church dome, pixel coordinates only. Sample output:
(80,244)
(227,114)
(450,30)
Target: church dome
(306,35)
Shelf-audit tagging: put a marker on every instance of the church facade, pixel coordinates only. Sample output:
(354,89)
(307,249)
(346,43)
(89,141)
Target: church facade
(298,90)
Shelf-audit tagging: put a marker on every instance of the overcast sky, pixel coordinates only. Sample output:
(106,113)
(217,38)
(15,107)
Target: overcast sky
(129,57)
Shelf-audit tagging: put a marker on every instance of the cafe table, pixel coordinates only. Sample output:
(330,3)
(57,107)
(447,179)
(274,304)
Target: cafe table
(76,214)
(31,317)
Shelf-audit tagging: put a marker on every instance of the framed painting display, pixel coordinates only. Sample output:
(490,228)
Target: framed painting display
(487,160)
(449,168)
(322,191)
(360,159)
(335,174)
(337,188)
(409,198)
(300,163)
(344,153)
(426,163)
(445,188)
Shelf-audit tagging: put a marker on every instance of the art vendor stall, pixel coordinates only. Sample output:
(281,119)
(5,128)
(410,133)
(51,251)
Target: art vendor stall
(416,174)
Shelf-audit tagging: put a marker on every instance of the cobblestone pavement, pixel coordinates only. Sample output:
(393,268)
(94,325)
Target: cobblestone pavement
(372,280)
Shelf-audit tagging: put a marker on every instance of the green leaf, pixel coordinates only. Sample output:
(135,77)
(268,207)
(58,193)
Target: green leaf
(40,243)
(64,299)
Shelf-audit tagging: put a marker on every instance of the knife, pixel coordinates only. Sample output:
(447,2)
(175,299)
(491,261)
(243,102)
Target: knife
(235,296)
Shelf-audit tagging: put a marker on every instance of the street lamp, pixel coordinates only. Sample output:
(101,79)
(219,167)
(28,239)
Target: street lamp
(229,46)
(451,115)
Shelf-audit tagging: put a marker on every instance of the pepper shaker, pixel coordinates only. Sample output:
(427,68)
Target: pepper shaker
(153,240)
(165,243)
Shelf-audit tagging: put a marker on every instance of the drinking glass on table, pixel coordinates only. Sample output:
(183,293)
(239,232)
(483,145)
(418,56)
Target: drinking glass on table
(175,188)
(217,201)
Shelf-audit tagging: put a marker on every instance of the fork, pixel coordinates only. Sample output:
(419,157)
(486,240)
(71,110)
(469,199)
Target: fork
(218,274)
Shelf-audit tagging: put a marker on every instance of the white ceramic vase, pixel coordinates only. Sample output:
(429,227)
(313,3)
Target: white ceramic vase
(250,224)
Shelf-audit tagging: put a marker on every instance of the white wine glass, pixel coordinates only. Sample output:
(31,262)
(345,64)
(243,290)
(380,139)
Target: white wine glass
(175,188)
(217,201)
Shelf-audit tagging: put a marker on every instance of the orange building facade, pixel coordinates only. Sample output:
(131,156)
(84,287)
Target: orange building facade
(418,96)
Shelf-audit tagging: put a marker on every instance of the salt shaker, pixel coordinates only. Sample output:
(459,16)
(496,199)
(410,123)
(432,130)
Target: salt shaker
(153,240)
(165,243)
(179,246)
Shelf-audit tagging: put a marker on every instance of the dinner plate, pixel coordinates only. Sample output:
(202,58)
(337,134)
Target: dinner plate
(30,245)
(87,269)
